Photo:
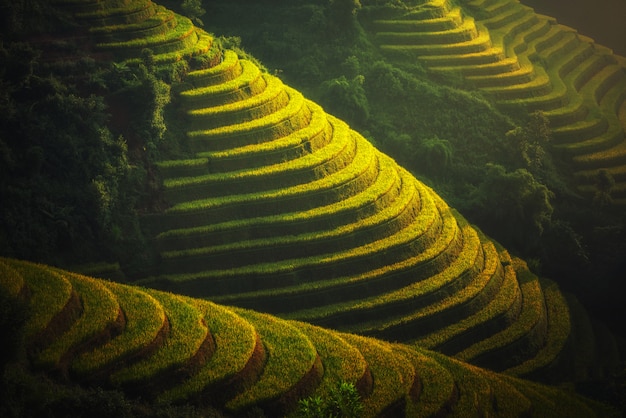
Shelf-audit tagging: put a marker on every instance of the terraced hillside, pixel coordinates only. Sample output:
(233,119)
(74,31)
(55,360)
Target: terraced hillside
(174,349)
(522,59)
(123,29)
(288,211)
(284,209)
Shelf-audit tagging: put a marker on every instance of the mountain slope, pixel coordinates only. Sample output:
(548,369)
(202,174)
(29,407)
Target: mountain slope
(283,208)
(523,60)
(232,360)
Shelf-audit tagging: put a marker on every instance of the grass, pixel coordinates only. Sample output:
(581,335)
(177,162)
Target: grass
(187,333)
(450,21)
(339,152)
(552,54)
(139,9)
(509,400)
(228,69)
(342,361)
(445,297)
(553,402)
(539,85)
(291,356)
(421,260)
(235,341)
(504,18)
(369,201)
(100,312)
(475,392)
(189,50)
(49,292)
(247,83)
(503,79)
(478,44)
(524,337)
(296,115)
(393,375)
(309,139)
(163,21)
(306,223)
(302,360)
(271,100)
(145,319)
(491,68)
(377,226)
(321,192)
(524,33)
(501,311)
(170,41)
(412,303)
(488,56)
(463,32)
(438,390)
(598,94)
(387,251)
(559,327)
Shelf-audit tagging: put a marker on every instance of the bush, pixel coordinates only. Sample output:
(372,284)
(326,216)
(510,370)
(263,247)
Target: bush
(512,206)
(346,98)
(343,402)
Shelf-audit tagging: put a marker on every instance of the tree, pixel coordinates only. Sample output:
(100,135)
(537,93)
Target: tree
(513,206)
(529,142)
(434,155)
(343,13)
(346,98)
(193,10)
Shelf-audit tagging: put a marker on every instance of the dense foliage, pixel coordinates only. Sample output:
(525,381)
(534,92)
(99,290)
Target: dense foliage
(78,139)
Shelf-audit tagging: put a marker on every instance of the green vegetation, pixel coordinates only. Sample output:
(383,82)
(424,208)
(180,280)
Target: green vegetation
(99,314)
(186,335)
(144,321)
(410,115)
(251,194)
(343,401)
(308,371)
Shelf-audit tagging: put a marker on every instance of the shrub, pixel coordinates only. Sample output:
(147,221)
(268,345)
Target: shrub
(343,401)
(193,9)
(346,98)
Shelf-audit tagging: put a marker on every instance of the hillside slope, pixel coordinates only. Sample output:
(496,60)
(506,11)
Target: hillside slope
(168,349)
(523,60)
(284,209)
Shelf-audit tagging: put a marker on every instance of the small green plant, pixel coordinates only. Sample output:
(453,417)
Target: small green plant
(343,401)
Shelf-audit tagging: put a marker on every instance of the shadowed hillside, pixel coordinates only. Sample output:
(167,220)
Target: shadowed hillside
(171,349)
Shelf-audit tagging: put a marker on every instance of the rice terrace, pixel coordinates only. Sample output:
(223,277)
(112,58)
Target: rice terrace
(311,208)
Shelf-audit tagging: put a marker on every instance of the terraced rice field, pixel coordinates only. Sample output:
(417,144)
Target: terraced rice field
(168,349)
(284,209)
(522,59)
(123,29)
